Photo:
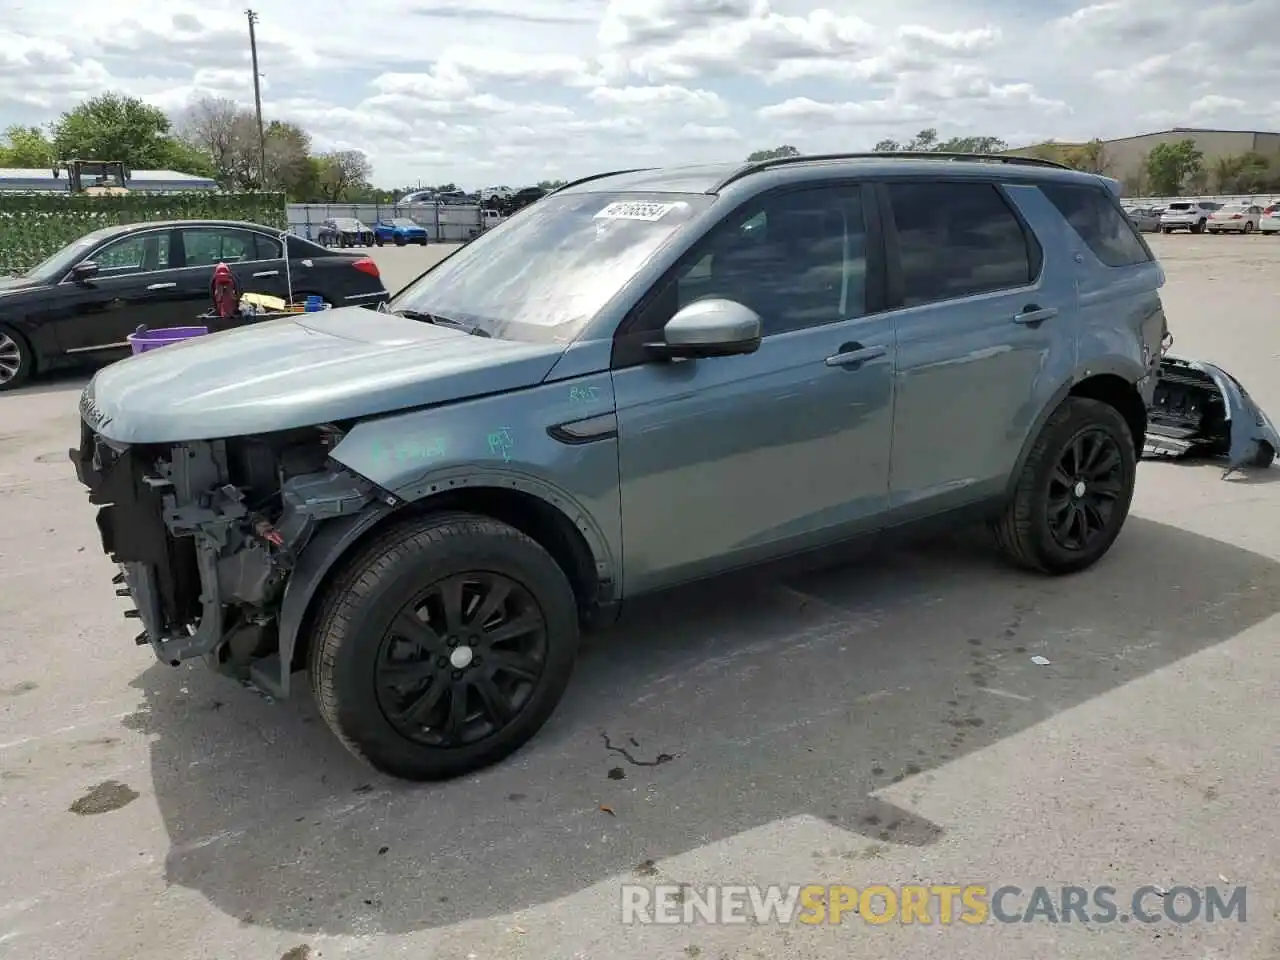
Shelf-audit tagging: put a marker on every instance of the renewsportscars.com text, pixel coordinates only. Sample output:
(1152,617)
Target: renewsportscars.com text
(943,904)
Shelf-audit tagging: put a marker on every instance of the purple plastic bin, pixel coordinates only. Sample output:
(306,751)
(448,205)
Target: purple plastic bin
(145,340)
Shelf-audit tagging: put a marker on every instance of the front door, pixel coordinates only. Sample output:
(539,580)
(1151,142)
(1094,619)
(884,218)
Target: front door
(133,286)
(987,320)
(730,460)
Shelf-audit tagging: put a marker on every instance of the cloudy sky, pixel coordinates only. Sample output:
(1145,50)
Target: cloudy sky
(511,91)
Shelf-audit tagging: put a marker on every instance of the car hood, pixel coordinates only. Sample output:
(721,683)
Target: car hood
(297,371)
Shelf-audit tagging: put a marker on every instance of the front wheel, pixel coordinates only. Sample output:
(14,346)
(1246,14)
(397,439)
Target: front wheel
(443,646)
(17,362)
(1073,494)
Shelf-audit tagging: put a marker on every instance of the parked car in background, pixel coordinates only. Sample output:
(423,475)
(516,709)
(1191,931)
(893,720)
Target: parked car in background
(344,232)
(399,230)
(1146,219)
(82,302)
(1269,222)
(1189,215)
(509,453)
(1234,218)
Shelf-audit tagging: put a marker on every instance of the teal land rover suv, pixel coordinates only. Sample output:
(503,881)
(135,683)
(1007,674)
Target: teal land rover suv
(645,378)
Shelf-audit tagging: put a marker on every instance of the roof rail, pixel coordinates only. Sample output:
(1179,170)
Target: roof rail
(597,176)
(759,165)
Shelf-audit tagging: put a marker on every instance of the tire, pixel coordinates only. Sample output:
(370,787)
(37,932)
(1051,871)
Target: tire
(377,241)
(1264,456)
(17,359)
(1024,533)
(1198,228)
(1167,229)
(383,581)
(422,242)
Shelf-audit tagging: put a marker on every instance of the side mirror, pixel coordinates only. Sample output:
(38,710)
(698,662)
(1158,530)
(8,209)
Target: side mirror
(709,328)
(84,270)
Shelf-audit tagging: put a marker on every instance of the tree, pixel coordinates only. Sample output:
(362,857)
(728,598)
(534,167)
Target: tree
(1090,157)
(1247,173)
(786,150)
(926,141)
(341,171)
(1173,166)
(114,127)
(551,184)
(26,147)
(213,125)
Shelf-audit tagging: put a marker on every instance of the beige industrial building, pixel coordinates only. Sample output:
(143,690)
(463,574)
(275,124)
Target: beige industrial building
(1125,158)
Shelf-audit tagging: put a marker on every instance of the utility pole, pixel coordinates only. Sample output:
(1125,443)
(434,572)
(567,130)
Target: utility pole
(257,99)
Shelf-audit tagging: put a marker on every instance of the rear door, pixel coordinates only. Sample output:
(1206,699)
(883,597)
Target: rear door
(135,285)
(984,317)
(257,266)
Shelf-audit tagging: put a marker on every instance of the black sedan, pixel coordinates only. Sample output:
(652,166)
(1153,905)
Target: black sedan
(344,232)
(88,297)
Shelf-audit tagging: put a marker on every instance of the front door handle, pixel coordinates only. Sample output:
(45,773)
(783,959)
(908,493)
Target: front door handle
(854,355)
(267,273)
(162,286)
(1032,314)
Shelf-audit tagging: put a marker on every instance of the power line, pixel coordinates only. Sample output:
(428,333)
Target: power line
(257,99)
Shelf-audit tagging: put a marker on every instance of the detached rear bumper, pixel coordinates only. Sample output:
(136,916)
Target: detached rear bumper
(1200,409)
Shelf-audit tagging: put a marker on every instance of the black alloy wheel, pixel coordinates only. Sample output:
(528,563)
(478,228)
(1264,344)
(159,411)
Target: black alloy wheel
(461,660)
(1084,489)
(1071,497)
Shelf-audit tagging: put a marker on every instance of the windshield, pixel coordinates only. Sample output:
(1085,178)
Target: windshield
(544,273)
(56,266)
(349,224)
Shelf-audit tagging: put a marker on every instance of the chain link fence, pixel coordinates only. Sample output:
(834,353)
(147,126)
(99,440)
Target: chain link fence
(444,222)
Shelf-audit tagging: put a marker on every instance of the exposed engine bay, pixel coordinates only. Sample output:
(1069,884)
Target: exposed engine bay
(207,533)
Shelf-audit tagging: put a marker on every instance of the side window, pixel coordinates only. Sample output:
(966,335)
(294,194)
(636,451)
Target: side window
(1095,218)
(797,259)
(137,254)
(205,247)
(268,248)
(958,240)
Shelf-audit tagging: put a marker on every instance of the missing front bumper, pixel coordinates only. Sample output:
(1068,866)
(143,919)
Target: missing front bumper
(1200,410)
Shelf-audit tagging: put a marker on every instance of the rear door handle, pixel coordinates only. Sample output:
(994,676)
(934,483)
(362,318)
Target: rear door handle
(162,286)
(1031,314)
(267,273)
(852,354)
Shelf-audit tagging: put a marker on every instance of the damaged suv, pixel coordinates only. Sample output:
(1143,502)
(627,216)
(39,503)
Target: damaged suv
(645,378)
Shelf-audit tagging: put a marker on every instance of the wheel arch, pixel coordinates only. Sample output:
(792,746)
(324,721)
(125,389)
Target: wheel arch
(589,574)
(24,340)
(1109,386)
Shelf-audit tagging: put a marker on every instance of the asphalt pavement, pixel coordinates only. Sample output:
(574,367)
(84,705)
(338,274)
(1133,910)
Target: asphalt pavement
(928,716)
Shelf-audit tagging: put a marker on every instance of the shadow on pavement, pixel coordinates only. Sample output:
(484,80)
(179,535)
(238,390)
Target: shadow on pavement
(716,709)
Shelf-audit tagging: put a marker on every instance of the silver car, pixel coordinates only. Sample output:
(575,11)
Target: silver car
(1146,219)
(1189,215)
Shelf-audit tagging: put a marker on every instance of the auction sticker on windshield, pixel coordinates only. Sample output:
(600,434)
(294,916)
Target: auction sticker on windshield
(635,210)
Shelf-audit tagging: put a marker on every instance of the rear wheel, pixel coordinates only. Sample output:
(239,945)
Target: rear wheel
(1073,495)
(17,361)
(443,646)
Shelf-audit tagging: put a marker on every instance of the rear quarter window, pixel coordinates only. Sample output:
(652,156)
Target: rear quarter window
(1101,224)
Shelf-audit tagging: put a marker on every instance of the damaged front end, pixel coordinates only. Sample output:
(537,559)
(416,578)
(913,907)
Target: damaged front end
(1200,410)
(207,533)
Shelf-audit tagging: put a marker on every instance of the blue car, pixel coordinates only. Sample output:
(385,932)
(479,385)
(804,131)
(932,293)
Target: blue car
(399,231)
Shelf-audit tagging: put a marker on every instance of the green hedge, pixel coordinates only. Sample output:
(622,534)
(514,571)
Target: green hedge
(35,225)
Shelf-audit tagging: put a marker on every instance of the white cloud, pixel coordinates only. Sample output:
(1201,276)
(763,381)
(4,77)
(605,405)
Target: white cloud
(516,90)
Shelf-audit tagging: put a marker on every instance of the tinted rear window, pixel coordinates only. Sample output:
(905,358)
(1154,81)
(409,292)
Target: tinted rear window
(958,240)
(1179,206)
(1100,223)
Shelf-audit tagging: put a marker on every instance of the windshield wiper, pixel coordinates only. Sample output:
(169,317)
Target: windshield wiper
(434,318)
